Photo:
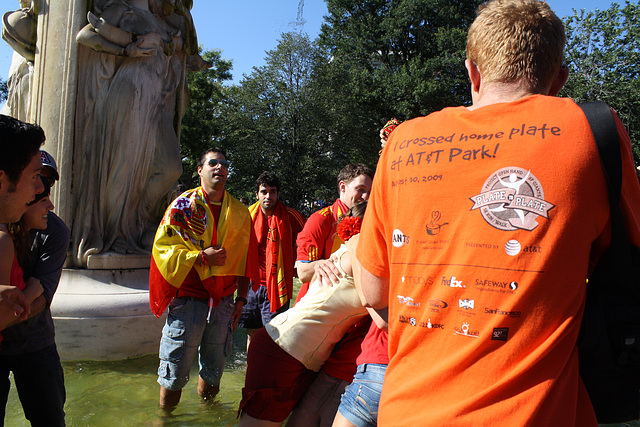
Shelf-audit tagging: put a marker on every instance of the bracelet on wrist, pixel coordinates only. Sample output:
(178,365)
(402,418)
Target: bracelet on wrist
(202,258)
(243,299)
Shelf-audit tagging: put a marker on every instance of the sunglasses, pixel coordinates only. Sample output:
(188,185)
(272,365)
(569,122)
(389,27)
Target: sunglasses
(214,162)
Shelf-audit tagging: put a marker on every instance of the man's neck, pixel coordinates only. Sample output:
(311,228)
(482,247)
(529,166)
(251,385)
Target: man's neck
(496,93)
(214,195)
(267,212)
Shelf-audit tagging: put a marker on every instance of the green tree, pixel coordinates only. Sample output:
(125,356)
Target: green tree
(391,58)
(273,122)
(603,53)
(201,122)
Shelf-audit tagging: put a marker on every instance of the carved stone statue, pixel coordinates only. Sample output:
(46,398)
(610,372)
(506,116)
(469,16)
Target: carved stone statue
(19,31)
(130,102)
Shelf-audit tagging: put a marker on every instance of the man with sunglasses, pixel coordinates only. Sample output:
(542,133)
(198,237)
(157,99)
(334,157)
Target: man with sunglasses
(204,250)
(28,347)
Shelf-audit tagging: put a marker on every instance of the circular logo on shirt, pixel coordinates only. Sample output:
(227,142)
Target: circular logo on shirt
(399,239)
(512,199)
(512,247)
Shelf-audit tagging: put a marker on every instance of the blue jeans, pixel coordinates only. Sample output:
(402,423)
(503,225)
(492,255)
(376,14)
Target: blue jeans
(359,403)
(257,311)
(39,381)
(186,333)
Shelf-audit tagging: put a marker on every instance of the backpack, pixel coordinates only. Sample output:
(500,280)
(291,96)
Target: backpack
(609,341)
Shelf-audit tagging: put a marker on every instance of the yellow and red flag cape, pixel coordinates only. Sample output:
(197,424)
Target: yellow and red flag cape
(187,228)
(279,257)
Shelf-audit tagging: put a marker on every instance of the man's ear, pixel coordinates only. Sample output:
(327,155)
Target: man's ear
(474,75)
(342,186)
(559,81)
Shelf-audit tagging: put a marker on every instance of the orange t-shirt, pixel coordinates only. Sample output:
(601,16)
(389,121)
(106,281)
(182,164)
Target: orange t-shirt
(487,223)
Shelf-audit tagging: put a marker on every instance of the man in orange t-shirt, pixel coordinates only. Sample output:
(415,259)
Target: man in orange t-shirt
(483,224)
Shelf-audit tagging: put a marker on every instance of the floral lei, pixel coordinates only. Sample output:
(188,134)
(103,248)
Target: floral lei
(348,227)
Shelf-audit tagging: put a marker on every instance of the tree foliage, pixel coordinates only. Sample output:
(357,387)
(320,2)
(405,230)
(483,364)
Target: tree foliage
(201,121)
(603,53)
(273,122)
(391,58)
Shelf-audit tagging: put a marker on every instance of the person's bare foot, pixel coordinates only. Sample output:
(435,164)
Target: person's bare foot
(207,391)
(169,399)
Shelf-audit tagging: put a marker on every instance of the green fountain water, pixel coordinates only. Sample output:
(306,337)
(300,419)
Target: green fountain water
(125,393)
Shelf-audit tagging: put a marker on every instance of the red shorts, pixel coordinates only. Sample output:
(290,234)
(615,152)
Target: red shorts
(275,380)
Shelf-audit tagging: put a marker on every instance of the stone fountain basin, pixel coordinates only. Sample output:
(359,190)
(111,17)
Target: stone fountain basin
(104,315)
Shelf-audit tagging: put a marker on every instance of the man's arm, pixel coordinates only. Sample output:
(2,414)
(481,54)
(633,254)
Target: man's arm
(33,293)
(323,268)
(375,290)
(51,252)
(243,289)
(380,317)
(13,304)
(311,241)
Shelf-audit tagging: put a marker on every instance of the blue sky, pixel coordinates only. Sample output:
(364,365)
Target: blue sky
(245,29)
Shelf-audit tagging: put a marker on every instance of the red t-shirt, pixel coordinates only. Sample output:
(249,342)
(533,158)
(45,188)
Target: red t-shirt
(487,223)
(318,238)
(375,347)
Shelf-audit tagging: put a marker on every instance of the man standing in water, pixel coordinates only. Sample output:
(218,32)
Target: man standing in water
(484,314)
(275,226)
(194,274)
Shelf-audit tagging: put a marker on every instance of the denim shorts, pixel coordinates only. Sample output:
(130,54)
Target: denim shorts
(257,312)
(359,403)
(186,333)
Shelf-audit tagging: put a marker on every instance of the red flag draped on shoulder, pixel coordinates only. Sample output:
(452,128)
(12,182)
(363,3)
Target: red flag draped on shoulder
(279,257)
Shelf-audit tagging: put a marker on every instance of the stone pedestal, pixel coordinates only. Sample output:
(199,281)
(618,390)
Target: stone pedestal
(105,315)
(54,88)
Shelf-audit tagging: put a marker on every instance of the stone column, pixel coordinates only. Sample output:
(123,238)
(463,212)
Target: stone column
(53,94)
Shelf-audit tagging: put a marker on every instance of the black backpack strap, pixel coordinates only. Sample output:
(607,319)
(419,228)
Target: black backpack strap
(605,133)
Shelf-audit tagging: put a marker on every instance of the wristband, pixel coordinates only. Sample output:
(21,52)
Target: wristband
(204,260)
(243,299)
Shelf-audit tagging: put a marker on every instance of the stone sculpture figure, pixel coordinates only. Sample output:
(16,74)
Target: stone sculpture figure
(19,31)
(130,102)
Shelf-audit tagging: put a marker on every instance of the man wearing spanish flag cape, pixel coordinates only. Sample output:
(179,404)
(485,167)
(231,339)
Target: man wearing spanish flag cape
(275,227)
(202,252)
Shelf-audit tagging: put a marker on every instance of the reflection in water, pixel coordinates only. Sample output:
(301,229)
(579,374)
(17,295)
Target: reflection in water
(125,393)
